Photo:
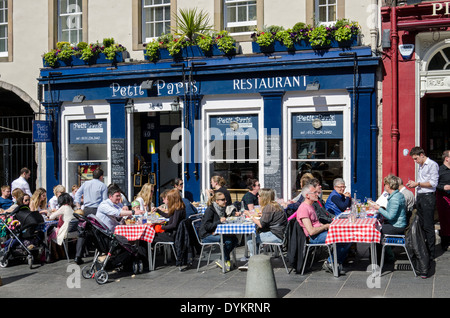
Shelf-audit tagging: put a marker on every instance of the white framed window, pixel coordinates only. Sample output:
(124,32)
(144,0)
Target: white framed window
(240,16)
(233,140)
(3,28)
(326,11)
(155,19)
(85,144)
(318,140)
(70,17)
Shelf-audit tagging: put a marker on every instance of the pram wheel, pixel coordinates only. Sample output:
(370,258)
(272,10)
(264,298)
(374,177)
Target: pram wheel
(101,277)
(87,271)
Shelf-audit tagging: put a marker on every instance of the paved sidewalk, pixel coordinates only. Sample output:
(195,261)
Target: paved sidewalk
(62,280)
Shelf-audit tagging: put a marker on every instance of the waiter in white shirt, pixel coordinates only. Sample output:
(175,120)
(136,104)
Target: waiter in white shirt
(427,180)
(21,182)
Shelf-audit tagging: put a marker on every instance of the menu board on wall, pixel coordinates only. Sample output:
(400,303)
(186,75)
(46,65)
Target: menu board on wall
(272,164)
(118,163)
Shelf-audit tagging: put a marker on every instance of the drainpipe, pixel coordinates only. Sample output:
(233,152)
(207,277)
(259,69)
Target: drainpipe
(394,69)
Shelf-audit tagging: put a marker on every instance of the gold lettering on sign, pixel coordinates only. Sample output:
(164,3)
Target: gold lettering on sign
(437,7)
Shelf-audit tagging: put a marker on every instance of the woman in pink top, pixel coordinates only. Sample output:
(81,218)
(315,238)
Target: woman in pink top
(316,231)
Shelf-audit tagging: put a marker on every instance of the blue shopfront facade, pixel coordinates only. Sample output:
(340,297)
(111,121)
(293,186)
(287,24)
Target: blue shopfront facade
(271,117)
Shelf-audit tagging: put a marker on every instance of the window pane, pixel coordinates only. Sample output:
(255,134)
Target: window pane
(155,18)
(3,45)
(231,14)
(235,174)
(437,62)
(331,13)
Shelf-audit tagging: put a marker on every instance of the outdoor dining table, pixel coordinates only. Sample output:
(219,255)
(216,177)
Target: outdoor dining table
(139,232)
(362,230)
(237,226)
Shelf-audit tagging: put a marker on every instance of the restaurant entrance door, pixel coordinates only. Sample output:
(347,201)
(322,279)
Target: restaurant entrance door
(435,132)
(156,135)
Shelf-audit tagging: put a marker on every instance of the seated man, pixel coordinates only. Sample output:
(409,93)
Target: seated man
(316,231)
(110,210)
(5,201)
(338,200)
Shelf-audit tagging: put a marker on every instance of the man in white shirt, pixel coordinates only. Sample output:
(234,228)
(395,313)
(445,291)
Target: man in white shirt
(111,209)
(21,182)
(427,180)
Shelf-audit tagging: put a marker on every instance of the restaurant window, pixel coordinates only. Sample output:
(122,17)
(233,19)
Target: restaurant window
(155,19)
(317,147)
(233,148)
(325,11)
(70,21)
(4,28)
(240,16)
(86,150)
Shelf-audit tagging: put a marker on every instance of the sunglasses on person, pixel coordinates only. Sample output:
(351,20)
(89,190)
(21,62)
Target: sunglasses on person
(221,199)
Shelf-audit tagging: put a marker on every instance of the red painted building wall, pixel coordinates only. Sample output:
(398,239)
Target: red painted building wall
(407,22)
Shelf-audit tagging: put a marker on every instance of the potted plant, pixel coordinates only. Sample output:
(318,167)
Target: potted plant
(66,54)
(346,32)
(263,42)
(190,25)
(225,42)
(320,36)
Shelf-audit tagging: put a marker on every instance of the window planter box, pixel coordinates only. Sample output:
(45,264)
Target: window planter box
(100,59)
(190,51)
(277,46)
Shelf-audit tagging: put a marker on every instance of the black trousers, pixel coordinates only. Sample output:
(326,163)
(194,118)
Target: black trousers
(81,241)
(426,203)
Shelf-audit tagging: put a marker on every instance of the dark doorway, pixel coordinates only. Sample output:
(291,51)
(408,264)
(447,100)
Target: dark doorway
(16,139)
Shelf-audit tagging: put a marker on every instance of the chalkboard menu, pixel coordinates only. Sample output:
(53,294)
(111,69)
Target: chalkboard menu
(118,163)
(272,164)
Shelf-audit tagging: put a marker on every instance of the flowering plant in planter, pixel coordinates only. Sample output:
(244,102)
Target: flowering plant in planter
(225,42)
(65,51)
(264,39)
(320,36)
(345,30)
(205,42)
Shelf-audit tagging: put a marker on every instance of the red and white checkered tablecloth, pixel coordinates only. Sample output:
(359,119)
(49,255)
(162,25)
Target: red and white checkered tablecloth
(361,231)
(134,232)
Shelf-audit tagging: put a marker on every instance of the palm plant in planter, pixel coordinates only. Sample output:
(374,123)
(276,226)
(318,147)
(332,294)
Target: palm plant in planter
(190,25)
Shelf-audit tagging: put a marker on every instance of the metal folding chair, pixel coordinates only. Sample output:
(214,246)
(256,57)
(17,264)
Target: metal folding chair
(394,240)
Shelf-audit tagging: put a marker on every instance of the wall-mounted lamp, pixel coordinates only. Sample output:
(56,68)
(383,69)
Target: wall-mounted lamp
(313,86)
(78,99)
(129,107)
(175,105)
(147,84)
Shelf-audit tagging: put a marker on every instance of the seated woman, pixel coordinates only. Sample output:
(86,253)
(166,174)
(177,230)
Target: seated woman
(271,225)
(176,212)
(395,211)
(218,185)
(338,200)
(250,199)
(214,215)
(316,231)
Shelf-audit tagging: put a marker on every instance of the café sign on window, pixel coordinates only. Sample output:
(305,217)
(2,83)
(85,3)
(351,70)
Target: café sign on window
(87,132)
(317,125)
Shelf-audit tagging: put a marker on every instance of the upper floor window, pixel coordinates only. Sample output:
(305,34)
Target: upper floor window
(240,16)
(325,11)
(155,18)
(3,28)
(70,26)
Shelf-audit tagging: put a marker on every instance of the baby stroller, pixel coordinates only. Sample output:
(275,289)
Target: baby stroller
(117,249)
(24,237)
